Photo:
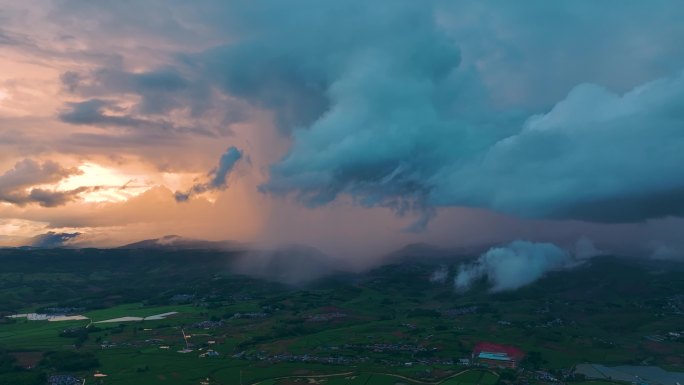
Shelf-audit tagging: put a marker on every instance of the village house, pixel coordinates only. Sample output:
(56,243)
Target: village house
(496,355)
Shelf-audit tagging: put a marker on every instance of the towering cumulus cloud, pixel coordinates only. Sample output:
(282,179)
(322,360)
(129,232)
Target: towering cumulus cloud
(596,155)
(218,177)
(517,264)
(357,84)
(380,109)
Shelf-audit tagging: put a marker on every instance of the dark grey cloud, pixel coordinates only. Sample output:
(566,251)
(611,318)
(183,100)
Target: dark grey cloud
(101,141)
(48,198)
(92,112)
(29,172)
(7,38)
(107,113)
(160,91)
(14,38)
(218,177)
(18,185)
(269,78)
(71,80)
(163,99)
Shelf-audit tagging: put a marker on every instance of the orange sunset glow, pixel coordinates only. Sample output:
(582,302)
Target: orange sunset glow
(119,123)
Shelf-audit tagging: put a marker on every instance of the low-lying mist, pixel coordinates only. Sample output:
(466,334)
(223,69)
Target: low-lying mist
(521,263)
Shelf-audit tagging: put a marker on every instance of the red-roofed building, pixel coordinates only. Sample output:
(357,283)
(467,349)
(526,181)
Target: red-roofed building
(496,355)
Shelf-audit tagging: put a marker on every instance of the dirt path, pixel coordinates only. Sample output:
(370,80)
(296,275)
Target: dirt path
(315,376)
(435,382)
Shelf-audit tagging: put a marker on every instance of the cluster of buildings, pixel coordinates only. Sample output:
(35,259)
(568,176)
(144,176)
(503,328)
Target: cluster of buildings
(485,354)
(669,336)
(285,357)
(426,361)
(250,315)
(182,298)
(460,311)
(63,310)
(325,317)
(552,323)
(387,347)
(207,325)
(48,317)
(64,379)
(241,297)
(675,304)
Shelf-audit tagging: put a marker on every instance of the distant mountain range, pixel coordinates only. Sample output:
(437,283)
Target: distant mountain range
(288,263)
(179,243)
(427,253)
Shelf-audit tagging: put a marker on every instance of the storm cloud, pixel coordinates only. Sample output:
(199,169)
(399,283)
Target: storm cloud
(381,106)
(387,139)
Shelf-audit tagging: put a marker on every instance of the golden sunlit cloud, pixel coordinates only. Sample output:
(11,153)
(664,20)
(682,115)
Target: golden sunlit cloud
(15,232)
(178,180)
(109,184)
(20,227)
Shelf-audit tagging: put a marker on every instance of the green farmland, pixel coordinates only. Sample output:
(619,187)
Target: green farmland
(389,326)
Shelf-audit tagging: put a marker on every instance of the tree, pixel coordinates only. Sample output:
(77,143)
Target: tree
(70,361)
(533,360)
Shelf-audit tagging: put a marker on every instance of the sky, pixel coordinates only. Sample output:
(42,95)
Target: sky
(355,127)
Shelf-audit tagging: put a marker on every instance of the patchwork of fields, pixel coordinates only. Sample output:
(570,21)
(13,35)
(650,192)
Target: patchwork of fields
(388,326)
